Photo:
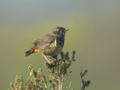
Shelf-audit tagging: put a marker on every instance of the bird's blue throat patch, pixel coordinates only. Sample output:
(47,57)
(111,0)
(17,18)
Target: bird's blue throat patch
(61,38)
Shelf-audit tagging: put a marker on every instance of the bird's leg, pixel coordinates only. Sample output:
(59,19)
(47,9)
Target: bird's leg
(53,59)
(48,60)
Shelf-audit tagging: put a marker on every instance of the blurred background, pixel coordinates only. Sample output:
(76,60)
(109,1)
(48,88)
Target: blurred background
(94,33)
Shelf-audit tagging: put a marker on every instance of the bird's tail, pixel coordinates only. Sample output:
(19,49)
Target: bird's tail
(29,52)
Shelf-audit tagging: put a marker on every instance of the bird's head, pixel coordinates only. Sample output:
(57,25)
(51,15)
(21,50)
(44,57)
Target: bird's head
(60,31)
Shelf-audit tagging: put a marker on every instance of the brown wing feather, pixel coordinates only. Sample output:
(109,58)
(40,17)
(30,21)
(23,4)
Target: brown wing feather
(44,40)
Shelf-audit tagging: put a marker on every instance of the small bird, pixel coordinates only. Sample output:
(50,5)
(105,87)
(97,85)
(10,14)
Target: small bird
(49,45)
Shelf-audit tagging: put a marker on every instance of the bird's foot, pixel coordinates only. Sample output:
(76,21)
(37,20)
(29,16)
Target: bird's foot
(50,60)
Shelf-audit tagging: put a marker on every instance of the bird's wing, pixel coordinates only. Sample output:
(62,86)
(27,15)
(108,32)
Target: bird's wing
(44,40)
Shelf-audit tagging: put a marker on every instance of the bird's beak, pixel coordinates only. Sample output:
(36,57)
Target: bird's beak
(66,30)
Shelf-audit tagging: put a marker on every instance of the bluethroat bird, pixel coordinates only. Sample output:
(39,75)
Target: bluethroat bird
(49,45)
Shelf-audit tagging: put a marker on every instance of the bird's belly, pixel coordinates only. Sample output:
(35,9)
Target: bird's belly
(52,49)
(57,50)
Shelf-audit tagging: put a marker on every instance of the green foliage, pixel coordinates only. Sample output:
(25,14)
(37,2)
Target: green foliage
(37,80)
(85,83)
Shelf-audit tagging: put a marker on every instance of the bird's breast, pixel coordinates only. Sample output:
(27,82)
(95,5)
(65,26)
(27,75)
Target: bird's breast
(53,48)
